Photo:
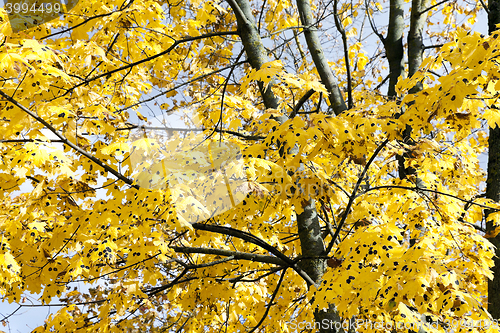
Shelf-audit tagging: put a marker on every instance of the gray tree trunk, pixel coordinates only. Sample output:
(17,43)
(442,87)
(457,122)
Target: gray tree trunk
(337,102)
(308,225)
(415,40)
(415,56)
(252,43)
(393,44)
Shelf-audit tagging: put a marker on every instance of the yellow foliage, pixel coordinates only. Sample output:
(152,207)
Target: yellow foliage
(148,186)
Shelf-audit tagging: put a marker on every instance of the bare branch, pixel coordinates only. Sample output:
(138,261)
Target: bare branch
(175,281)
(420,189)
(254,240)
(268,307)
(432,46)
(232,254)
(382,83)
(301,102)
(372,25)
(341,30)
(432,7)
(178,129)
(181,85)
(30,140)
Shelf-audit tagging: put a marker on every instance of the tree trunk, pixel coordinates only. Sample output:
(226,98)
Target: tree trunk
(415,55)
(308,225)
(252,43)
(493,184)
(415,40)
(393,44)
(337,102)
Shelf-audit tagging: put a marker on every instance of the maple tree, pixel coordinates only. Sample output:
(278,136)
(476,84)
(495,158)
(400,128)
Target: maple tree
(306,186)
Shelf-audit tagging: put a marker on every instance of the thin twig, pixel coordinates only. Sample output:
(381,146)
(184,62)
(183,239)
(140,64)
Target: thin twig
(341,30)
(55,255)
(147,59)
(67,142)
(432,46)
(87,20)
(417,189)
(29,140)
(372,25)
(178,129)
(176,88)
(432,7)
(268,307)
(353,195)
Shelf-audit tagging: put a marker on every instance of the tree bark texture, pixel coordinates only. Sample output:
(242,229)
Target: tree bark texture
(493,184)
(337,102)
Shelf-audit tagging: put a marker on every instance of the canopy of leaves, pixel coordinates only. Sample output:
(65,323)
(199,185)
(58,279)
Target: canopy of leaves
(126,228)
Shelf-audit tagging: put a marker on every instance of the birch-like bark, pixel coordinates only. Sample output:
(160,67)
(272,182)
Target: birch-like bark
(393,44)
(337,102)
(415,39)
(252,43)
(415,56)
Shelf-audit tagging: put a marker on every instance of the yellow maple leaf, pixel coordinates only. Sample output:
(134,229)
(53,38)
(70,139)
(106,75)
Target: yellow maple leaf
(117,148)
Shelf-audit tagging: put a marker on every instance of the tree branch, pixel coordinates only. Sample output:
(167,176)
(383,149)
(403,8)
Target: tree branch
(131,65)
(382,83)
(254,240)
(175,281)
(325,72)
(67,142)
(181,85)
(268,306)
(254,48)
(341,30)
(423,11)
(421,189)
(372,25)
(30,140)
(232,254)
(353,195)
(301,102)
(178,129)
(432,46)
(86,21)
